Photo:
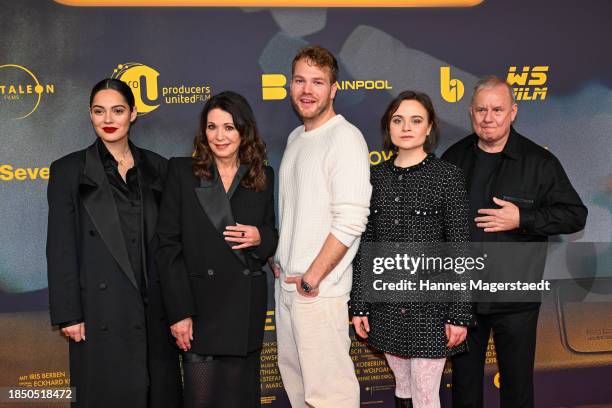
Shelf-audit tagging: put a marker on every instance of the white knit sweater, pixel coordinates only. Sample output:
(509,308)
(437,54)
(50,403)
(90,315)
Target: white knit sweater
(324,187)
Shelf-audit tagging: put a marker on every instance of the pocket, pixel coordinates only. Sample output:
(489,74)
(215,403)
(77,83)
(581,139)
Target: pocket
(521,202)
(306,300)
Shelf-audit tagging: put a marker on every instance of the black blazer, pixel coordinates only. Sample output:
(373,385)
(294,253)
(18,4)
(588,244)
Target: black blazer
(91,280)
(222,289)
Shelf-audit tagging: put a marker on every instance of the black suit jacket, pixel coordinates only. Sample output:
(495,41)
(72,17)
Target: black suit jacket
(91,280)
(533,179)
(222,289)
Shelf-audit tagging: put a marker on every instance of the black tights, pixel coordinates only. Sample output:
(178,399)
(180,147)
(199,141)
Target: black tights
(221,381)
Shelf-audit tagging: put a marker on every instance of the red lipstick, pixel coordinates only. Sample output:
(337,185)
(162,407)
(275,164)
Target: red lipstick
(109,129)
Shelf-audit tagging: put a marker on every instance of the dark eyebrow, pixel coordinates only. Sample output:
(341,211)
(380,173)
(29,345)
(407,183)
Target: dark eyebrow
(112,107)
(225,124)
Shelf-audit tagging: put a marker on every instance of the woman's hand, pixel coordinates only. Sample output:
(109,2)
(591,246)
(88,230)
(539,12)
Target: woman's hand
(455,335)
(183,333)
(75,332)
(276,269)
(362,326)
(245,235)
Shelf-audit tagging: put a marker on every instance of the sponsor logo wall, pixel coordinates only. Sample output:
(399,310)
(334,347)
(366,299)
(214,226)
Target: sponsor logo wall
(176,58)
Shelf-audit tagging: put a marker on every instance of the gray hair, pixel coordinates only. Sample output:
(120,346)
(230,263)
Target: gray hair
(491,81)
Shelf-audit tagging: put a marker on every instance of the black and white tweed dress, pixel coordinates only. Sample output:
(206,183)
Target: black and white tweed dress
(422,203)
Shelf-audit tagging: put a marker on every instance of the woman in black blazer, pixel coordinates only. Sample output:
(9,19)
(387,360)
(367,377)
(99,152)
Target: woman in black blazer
(103,292)
(216,231)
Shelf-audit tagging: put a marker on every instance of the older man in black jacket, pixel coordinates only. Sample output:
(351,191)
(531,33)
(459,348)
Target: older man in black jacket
(518,192)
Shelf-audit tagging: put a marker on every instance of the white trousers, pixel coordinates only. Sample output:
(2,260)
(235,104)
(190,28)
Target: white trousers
(313,351)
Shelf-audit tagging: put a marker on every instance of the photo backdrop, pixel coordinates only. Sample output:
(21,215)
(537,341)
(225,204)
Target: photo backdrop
(553,53)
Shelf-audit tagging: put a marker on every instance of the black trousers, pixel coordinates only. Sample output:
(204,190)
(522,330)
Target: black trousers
(221,381)
(514,335)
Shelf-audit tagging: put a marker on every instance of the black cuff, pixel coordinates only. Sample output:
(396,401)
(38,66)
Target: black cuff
(70,323)
(358,310)
(526,220)
(459,322)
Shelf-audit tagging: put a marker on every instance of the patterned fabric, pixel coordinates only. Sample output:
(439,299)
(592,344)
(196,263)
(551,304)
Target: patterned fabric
(426,202)
(418,379)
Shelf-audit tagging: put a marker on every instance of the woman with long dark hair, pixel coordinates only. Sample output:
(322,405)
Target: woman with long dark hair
(103,291)
(416,198)
(216,231)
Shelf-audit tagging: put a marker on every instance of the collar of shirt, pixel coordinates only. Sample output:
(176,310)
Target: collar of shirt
(109,161)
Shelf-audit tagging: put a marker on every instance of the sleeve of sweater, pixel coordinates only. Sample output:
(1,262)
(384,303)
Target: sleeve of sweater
(349,182)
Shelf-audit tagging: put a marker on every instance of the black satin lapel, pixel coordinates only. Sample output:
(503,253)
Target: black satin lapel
(100,205)
(216,205)
(242,171)
(214,202)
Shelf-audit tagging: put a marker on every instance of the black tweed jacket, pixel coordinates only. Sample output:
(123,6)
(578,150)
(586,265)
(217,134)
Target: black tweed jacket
(422,203)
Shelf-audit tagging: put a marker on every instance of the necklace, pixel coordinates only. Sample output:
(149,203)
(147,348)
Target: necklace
(126,155)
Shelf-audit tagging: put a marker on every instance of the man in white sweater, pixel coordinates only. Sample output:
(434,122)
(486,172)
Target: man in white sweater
(324,205)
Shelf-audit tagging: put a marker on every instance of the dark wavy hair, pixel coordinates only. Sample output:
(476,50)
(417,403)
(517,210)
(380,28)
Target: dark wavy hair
(431,141)
(252,150)
(116,85)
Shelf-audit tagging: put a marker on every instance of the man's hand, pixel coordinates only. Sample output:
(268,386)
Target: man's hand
(362,326)
(297,280)
(501,219)
(455,335)
(75,332)
(183,333)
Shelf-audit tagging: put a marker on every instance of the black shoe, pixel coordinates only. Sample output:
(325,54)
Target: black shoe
(403,402)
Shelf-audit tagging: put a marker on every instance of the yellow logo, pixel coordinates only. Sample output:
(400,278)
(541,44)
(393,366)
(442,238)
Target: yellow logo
(377,157)
(273,86)
(528,84)
(270,325)
(21,91)
(10,173)
(144,82)
(496,381)
(452,90)
(368,84)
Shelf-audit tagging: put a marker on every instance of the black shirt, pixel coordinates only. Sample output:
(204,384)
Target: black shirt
(485,165)
(129,208)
